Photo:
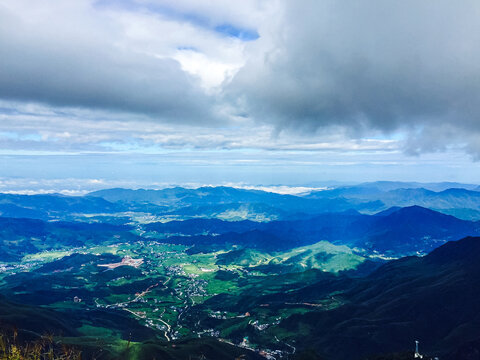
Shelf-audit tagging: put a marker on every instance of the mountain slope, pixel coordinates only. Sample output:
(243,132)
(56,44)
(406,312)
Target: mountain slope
(52,206)
(221,201)
(30,323)
(398,232)
(433,299)
(19,237)
(415,229)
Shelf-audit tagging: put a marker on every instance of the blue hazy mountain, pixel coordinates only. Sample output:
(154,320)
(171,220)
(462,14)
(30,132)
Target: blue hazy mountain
(401,232)
(180,197)
(415,228)
(227,202)
(280,221)
(384,186)
(398,231)
(463,202)
(239,204)
(460,200)
(52,205)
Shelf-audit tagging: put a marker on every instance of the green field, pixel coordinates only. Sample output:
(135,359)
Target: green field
(175,294)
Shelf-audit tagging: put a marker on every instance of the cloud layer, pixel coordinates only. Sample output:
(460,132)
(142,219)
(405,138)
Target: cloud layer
(321,75)
(376,65)
(78,54)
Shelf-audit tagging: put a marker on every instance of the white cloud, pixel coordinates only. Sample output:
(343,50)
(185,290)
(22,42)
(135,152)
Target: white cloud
(80,131)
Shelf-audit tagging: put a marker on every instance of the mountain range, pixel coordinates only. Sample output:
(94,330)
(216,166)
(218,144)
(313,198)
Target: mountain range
(353,272)
(398,231)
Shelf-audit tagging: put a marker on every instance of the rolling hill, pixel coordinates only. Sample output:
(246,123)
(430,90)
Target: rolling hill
(432,299)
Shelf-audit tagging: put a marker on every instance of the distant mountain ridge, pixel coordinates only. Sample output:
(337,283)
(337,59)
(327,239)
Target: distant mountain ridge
(52,205)
(460,200)
(463,202)
(400,231)
(215,201)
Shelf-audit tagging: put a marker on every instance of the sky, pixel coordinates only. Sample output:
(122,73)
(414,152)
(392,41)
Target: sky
(151,93)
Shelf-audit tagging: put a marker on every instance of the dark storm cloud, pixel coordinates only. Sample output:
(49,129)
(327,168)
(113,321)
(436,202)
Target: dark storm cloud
(366,65)
(82,65)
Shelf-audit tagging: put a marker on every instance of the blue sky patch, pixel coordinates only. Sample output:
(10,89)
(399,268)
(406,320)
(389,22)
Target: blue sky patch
(232,31)
(228,30)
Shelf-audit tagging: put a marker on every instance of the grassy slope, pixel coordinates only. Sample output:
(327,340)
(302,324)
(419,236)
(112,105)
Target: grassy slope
(322,255)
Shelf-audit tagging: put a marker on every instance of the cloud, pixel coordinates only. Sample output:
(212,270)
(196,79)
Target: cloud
(78,55)
(271,75)
(370,67)
(30,128)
